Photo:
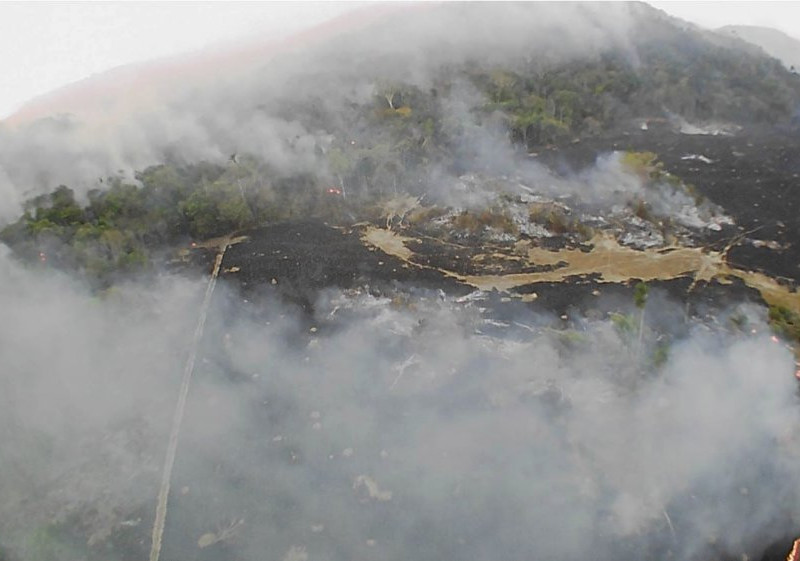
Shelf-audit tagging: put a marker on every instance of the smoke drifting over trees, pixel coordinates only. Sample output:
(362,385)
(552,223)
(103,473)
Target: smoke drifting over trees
(467,75)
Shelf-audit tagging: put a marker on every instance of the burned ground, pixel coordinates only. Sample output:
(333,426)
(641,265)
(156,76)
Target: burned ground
(754,175)
(750,175)
(299,259)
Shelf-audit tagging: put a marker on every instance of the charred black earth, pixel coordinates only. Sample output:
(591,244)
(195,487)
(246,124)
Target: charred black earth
(296,260)
(752,175)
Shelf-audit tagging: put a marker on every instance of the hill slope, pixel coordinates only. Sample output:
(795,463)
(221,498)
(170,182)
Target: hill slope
(496,281)
(774,42)
(410,84)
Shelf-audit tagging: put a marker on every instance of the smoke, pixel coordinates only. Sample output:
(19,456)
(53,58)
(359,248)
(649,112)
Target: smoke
(248,105)
(414,426)
(288,107)
(87,388)
(408,425)
(411,429)
(10,199)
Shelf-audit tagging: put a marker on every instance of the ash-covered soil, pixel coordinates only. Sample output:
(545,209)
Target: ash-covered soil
(296,260)
(754,175)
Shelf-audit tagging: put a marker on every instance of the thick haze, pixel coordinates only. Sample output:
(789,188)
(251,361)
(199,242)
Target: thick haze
(784,16)
(421,430)
(247,108)
(69,41)
(418,427)
(238,102)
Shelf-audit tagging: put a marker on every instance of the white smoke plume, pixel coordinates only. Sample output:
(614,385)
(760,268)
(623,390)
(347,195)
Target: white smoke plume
(403,426)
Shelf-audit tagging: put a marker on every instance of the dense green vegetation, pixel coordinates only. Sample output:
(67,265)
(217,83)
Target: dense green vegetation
(673,72)
(393,141)
(122,227)
(785,323)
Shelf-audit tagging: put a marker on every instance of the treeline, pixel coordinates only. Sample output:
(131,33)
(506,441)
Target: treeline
(676,75)
(392,141)
(124,225)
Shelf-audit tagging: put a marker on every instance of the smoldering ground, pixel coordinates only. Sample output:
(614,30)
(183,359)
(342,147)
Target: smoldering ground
(438,441)
(392,427)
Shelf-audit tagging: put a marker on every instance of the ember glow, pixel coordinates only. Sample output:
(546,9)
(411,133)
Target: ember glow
(794,554)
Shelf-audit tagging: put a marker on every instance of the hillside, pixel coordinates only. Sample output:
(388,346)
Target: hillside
(440,281)
(394,123)
(611,66)
(775,43)
(108,96)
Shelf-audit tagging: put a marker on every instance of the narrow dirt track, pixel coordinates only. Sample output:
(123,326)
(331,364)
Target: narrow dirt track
(172,447)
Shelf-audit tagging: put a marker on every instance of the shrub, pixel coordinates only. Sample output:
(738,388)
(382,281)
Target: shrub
(557,222)
(425,214)
(642,210)
(624,323)
(467,221)
(490,218)
(785,322)
(640,163)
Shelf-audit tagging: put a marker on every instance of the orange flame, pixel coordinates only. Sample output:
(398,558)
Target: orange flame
(794,554)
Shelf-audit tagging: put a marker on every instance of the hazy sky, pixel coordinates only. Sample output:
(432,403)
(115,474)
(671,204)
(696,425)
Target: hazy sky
(45,45)
(780,15)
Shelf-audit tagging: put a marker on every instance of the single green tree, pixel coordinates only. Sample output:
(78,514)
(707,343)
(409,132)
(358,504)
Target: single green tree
(640,300)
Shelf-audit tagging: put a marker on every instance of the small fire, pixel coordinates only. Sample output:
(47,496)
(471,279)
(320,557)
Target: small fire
(333,191)
(775,339)
(794,554)
(42,257)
